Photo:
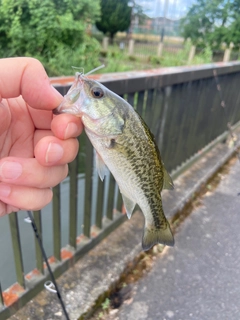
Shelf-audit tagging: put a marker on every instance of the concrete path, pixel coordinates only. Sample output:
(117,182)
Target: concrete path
(200,277)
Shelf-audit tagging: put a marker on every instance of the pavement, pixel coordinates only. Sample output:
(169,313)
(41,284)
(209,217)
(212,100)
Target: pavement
(196,279)
(200,277)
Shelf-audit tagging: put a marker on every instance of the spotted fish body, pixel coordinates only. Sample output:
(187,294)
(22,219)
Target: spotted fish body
(127,148)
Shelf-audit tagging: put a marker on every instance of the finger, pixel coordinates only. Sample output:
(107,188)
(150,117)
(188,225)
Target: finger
(5,117)
(41,118)
(29,173)
(66,126)
(51,151)
(27,77)
(39,134)
(26,198)
(6,208)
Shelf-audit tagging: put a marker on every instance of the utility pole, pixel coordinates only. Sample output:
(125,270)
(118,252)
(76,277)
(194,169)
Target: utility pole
(131,4)
(164,19)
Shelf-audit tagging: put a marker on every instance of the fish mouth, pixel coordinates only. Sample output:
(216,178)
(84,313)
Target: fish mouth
(71,103)
(66,107)
(56,111)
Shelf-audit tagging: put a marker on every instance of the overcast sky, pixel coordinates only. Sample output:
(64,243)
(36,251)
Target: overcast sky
(155,8)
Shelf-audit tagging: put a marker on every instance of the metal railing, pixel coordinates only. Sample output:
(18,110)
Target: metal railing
(183,109)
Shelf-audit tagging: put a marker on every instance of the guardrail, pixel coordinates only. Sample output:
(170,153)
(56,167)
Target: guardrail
(182,107)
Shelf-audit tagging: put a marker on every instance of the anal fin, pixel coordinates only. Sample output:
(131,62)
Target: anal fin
(129,205)
(167,180)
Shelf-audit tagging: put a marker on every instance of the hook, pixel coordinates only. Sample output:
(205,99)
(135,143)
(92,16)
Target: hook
(50,286)
(28,220)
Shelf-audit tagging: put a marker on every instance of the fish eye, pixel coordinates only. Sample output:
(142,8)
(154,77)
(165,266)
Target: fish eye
(97,92)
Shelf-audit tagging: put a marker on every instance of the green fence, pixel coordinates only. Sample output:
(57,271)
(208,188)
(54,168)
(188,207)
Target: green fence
(182,106)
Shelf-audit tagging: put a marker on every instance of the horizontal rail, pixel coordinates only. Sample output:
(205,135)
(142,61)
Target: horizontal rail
(135,81)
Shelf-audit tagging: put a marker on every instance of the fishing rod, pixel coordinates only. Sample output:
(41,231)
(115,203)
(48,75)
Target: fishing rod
(49,285)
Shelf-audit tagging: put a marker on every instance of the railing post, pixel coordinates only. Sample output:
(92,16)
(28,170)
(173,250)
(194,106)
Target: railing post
(1,297)
(100,199)
(227,53)
(160,49)
(56,223)
(13,221)
(73,175)
(191,54)
(88,189)
(105,43)
(111,190)
(131,47)
(226,56)
(39,256)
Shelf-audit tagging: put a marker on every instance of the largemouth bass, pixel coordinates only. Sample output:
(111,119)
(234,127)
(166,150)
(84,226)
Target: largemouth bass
(124,145)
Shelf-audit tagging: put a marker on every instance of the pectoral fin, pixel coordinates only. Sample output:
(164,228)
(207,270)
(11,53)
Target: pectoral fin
(101,167)
(129,205)
(167,180)
(111,125)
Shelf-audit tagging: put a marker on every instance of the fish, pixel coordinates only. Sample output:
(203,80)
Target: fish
(125,146)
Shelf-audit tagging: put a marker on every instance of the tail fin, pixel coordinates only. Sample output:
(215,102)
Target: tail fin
(152,236)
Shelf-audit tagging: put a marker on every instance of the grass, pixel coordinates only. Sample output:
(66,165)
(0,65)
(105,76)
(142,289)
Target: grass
(115,59)
(145,57)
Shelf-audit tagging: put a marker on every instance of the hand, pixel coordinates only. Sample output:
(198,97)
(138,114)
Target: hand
(34,147)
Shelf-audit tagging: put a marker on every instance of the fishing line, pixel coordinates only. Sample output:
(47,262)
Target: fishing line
(49,285)
(78,68)
(100,67)
(89,72)
(223,105)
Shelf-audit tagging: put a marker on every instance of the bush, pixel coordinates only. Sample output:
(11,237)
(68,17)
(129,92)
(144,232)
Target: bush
(83,56)
(54,31)
(155,60)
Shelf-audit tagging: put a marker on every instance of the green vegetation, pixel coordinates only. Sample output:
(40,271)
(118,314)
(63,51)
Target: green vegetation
(54,31)
(213,22)
(106,304)
(119,61)
(181,58)
(115,16)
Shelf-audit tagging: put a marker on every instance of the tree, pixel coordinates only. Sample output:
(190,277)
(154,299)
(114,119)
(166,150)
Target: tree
(210,22)
(47,29)
(234,29)
(115,16)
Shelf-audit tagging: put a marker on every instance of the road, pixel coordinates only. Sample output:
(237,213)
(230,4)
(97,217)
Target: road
(198,278)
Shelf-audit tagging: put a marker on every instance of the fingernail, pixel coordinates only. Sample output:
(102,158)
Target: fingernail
(54,153)
(10,170)
(4,190)
(71,130)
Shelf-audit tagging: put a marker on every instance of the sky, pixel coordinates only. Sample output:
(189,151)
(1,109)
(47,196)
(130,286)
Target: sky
(155,8)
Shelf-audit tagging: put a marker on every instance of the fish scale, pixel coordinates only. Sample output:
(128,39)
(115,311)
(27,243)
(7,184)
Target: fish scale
(124,145)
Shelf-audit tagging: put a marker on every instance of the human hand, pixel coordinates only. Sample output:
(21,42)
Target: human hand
(35,147)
